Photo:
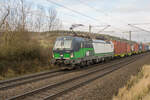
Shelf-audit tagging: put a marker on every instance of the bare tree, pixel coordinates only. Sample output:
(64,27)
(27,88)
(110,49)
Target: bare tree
(4,19)
(5,11)
(18,15)
(52,14)
(40,16)
(24,11)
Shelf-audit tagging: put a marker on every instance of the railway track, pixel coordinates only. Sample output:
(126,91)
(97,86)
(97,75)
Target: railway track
(11,83)
(52,91)
(6,84)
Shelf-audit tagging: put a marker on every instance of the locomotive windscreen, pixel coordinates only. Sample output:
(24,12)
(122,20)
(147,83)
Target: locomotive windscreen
(63,43)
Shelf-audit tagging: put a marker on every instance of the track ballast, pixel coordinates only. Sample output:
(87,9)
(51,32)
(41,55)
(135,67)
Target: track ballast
(54,90)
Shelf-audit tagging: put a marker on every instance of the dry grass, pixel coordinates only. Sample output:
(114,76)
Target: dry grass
(138,87)
(20,54)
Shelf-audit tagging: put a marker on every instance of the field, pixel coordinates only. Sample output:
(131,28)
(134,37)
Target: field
(137,88)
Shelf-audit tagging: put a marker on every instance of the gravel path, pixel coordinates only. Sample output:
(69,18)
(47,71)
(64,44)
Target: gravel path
(104,88)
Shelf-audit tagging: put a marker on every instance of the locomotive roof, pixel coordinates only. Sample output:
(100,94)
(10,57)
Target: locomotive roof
(101,41)
(81,38)
(72,37)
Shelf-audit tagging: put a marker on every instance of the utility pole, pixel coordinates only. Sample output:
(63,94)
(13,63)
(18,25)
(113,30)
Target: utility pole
(90,28)
(139,28)
(130,35)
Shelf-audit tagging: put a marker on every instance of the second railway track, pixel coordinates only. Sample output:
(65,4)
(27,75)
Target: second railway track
(52,91)
(6,84)
(11,83)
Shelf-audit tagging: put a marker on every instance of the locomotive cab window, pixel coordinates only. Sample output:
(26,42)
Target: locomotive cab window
(63,43)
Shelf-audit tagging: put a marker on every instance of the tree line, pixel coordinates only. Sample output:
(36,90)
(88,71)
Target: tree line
(20,14)
(19,52)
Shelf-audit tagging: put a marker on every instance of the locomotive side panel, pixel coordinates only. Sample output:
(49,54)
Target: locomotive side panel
(102,48)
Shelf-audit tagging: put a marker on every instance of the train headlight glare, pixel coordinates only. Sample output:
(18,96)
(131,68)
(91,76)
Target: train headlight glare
(53,55)
(61,55)
(71,55)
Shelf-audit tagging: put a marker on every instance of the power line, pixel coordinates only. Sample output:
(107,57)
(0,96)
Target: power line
(72,10)
(141,24)
(93,7)
(139,28)
(79,13)
(97,10)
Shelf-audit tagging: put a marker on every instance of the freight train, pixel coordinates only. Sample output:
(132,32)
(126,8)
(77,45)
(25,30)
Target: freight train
(73,51)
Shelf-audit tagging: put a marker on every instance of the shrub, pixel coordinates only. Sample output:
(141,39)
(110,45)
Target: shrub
(137,88)
(20,54)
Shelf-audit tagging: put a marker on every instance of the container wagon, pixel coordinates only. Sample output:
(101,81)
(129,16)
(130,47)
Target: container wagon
(136,48)
(129,50)
(120,48)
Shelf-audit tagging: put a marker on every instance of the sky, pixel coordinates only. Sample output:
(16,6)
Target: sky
(117,13)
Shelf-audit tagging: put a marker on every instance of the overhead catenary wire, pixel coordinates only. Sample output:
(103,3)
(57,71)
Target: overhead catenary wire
(97,10)
(79,13)
(141,24)
(139,28)
(82,14)
(72,10)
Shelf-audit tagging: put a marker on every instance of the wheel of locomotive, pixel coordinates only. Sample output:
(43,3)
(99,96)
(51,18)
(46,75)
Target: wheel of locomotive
(95,61)
(99,60)
(103,60)
(83,63)
(77,67)
(87,63)
(91,62)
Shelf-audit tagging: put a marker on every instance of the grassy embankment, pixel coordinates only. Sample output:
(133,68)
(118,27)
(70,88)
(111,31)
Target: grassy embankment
(137,88)
(24,53)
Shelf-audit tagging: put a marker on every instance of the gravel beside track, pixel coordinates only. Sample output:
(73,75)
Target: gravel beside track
(53,90)
(33,78)
(27,76)
(9,92)
(104,88)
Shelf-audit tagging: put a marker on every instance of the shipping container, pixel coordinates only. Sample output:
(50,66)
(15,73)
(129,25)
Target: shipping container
(140,47)
(146,47)
(120,48)
(143,47)
(128,48)
(132,47)
(136,48)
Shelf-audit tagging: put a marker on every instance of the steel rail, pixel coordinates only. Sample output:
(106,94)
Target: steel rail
(53,96)
(11,82)
(21,96)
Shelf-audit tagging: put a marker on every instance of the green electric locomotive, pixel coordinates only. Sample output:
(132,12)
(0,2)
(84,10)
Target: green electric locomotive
(70,51)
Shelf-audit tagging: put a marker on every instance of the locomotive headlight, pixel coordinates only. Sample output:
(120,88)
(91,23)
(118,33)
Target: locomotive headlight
(53,55)
(61,55)
(71,55)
